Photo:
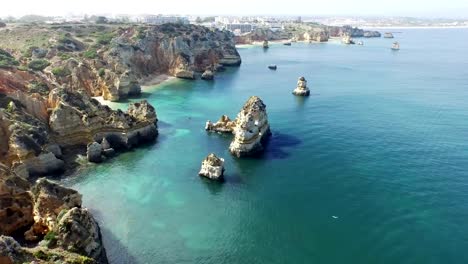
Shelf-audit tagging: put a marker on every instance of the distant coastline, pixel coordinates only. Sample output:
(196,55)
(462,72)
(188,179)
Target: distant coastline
(411,27)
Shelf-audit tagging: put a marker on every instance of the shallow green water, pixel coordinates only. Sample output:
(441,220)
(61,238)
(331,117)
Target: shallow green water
(381,143)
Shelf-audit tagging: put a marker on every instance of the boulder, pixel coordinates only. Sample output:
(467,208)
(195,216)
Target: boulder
(78,232)
(42,165)
(212,167)
(94,152)
(251,129)
(301,88)
(55,149)
(207,75)
(185,74)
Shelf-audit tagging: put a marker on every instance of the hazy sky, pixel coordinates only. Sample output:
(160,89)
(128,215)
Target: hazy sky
(425,8)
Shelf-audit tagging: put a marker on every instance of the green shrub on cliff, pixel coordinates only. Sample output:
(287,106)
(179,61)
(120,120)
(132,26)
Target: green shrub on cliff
(6,60)
(38,65)
(61,72)
(102,72)
(90,54)
(38,87)
(105,39)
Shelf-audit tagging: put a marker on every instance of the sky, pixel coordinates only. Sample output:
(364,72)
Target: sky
(414,8)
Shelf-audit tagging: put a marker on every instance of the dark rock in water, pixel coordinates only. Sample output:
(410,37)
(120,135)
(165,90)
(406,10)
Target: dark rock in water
(212,167)
(94,152)
(207,75)
(110,152)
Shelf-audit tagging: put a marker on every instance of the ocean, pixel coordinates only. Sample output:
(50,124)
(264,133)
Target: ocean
(372,167)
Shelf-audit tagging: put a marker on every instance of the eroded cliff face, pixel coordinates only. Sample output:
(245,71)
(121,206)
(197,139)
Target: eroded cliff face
(65,231)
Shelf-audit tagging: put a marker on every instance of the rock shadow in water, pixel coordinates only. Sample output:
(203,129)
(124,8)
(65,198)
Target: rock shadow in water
(279,146)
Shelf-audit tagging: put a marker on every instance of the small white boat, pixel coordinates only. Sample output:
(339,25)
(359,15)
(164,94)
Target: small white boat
(272,67)
(395,46)
(360,43)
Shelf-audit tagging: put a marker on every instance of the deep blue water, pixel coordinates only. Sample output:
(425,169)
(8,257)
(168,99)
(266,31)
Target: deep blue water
(381,144)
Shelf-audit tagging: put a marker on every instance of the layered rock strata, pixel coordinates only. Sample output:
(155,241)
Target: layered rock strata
(223,125)
(301,89)
(212,167)
(250,128)
(66,231)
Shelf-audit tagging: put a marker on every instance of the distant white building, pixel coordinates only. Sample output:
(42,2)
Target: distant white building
(240,28)
(159,19)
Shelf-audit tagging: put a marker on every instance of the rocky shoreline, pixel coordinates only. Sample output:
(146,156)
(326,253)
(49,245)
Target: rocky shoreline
(48,116)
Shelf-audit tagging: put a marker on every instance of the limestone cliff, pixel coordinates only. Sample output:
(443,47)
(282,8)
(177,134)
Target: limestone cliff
(112,60)
(66,231)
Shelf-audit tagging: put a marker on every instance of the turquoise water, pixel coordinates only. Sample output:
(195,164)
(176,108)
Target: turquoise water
(371,168)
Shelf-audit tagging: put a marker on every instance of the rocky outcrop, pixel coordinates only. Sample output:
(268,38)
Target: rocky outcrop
(16,205)
(251,129)
(212,167)
(223,125)
(301,88)
(77,119)
(207,75)
(353,32)
(179,50)
(54,215)
(10,250)
(316,35)
(49,200)
(78,232)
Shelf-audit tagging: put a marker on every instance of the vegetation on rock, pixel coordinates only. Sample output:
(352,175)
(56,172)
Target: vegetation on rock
(38,65)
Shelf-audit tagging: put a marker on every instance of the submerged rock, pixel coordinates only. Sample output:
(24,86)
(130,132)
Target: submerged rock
(207,75)
(212,167)
(301,88)
(251,129)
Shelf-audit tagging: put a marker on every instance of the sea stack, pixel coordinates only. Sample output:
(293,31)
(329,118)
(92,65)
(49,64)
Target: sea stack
(301,88)
(212,167)
(251,129)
